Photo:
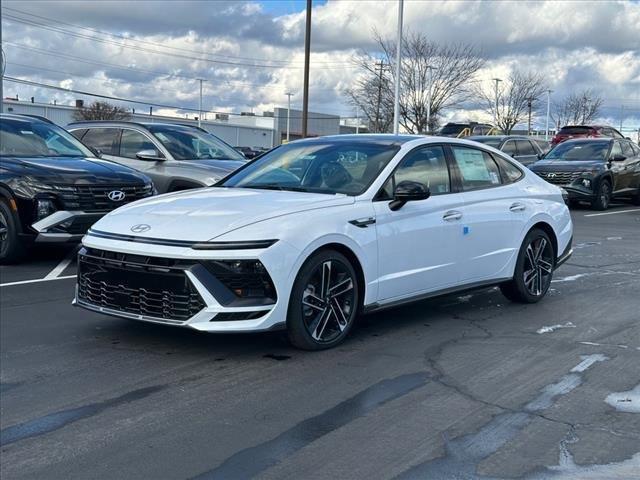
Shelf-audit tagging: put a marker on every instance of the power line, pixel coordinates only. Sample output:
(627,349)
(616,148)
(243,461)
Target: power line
(124,37)
(139,102)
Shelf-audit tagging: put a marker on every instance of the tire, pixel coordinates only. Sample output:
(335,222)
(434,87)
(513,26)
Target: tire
(636,200)
(574,204)
(536,261)
(320,315)
(11,248)
(603,196)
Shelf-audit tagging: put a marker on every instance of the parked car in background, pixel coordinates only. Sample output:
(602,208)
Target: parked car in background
(317,231)
(594,170)
(52,188)
(584,131)
(176,157)
(521,148)
(464,129)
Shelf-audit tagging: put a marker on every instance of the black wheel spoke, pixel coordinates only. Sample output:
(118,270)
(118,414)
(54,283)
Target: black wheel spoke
(537,274)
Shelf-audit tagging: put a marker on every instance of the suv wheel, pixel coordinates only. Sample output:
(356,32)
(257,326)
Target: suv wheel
(11,250)
(534,269)
(324,302)
(603,196)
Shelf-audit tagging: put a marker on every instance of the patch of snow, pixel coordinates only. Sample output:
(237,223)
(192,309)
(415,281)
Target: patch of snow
(614,238)
(628,402)
(571,278)
(551,328)
(587,361)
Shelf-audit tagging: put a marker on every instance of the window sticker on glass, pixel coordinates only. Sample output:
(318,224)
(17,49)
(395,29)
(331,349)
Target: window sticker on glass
(472,166)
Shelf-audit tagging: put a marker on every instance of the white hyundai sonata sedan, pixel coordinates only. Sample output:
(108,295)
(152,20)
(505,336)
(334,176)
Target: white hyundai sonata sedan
(316,232)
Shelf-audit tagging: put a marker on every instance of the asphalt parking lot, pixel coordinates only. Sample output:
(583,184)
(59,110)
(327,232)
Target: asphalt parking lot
(464,386)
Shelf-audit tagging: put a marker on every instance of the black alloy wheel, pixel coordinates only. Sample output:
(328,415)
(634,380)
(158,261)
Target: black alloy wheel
(534,269)
(11,249)
(4,234)
(603,196)
(324,302)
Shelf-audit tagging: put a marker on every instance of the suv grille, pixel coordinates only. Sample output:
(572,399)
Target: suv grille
(138,285)
(94,198)
(559,178)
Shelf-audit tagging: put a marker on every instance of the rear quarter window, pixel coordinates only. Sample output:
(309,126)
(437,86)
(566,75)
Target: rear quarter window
(509,172)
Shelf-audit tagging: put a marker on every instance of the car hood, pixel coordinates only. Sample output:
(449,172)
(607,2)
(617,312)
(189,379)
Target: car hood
(565,166)
(73,170)
(203,214)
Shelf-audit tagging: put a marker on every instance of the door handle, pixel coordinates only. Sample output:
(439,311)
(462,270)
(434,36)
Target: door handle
(518,207)
(452,215)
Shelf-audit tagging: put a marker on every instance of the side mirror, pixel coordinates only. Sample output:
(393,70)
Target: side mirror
(540,156)
(618,158)
(408,191)
(150,154)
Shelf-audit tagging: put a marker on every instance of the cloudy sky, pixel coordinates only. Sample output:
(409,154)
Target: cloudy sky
(251,52)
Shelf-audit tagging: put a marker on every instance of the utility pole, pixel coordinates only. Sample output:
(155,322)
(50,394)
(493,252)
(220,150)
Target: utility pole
(621,116)
(357,121)
(288,94)
(429,68)
(200,104)
(307,54)
(381,66)
(396,102)
(529,103)
(546,132)
(495,116)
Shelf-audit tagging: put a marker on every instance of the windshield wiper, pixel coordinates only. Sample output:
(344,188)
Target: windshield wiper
(275,186)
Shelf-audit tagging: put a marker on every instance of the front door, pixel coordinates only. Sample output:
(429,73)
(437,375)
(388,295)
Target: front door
(417,244)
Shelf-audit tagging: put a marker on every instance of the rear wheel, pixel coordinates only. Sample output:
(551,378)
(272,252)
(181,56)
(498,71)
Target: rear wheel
(534,269)
(603,196)
(324,302)
(11,249)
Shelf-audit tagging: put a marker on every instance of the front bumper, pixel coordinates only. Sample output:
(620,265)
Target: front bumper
(65,226)
(210,306)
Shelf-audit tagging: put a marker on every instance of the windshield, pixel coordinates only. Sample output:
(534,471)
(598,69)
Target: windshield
(577,151)
(452,128)
(492,142)
(322,167)
(26,138)
(186,143)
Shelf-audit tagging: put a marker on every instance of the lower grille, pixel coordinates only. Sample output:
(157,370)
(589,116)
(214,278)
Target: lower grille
(138,288)
(559,178)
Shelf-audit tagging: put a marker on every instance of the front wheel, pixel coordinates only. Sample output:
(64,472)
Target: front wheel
(534,269)
(11,249)
(603,196)
(324,302)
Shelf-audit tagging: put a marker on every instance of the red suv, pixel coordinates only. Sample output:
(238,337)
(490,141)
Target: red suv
(584,131)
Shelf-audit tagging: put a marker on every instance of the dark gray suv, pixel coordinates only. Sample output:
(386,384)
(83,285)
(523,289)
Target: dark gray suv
(176,157)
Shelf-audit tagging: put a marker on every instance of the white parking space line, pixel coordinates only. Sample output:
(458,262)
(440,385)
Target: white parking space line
(613,213)
(37,280)
(62,265)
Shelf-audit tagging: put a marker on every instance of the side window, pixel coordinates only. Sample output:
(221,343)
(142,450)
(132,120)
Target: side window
(627,151)
(636,149)
(509,148)
(477,168)
(525,147)
(426,165)
(132,142)
(616,149)
(510,173)
(104,139)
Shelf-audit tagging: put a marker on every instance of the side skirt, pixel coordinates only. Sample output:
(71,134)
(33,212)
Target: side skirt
(375,307)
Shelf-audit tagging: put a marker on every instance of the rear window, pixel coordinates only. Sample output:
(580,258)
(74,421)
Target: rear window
(576,130)
(452,128)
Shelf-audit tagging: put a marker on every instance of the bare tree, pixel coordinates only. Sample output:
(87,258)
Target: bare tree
(510,104)
(450,68)
(579,108)
(101,111)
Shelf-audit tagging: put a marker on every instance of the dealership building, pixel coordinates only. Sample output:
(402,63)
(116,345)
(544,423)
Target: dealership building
(246,130)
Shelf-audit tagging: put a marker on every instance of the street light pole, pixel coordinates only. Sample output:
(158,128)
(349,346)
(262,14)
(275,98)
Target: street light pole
(495,116)
(200,104)
(357,121)
(288,94)
(621,116)
(429,68)
(546,132)
(307,54)
(396,103)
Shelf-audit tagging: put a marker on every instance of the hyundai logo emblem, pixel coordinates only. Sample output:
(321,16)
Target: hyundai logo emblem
(551,175)
(116,195)
(141,227)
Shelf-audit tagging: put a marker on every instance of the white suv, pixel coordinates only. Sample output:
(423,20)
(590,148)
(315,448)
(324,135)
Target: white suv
(318,231)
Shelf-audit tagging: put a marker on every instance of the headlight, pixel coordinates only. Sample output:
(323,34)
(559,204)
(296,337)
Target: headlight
(44,208)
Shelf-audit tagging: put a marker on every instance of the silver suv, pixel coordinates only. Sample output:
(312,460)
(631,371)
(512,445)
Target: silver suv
(176,157)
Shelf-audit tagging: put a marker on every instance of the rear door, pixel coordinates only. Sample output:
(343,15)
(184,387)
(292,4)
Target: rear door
(493,215)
